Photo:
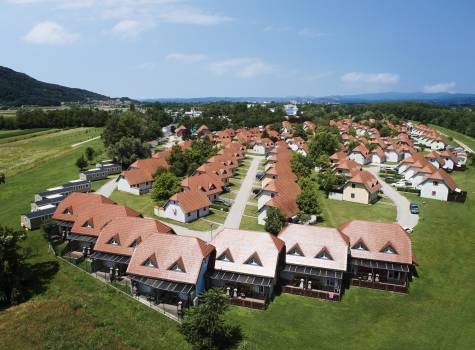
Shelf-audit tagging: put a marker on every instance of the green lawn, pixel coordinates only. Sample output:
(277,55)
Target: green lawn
(436,313)
(469,141)
(250,210)
(6,134)
(337,212)
(27,153)
(70,309)
(95,185)
(251,224)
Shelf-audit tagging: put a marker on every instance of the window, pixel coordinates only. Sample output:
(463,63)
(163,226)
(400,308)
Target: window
(151,262)
(135,243)
(226,256)
(433,193)
(114,240)
(295,250)
(87,224)
(360,246)
(253,260)
(67,211)
(388,249)
(352,195)
(178,266)
(324,254)
(353,186)
(435,183)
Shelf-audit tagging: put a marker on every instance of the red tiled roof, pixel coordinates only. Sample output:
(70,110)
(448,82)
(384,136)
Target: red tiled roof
(191,201)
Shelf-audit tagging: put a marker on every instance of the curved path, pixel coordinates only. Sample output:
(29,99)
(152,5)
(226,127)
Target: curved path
(404,216)
(109,187)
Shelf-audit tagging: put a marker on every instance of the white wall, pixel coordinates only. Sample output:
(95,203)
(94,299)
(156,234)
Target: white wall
(358,158)
(392,156)
(123,185)
(263,198)
(259,149)
(441,191)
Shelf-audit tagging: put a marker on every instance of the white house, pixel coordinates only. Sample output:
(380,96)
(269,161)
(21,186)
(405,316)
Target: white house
(437,185)
(360,154)
(185,206)
(135,181)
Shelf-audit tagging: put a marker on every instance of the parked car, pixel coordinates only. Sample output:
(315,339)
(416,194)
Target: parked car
(222,202)
(414,208)
(400,183)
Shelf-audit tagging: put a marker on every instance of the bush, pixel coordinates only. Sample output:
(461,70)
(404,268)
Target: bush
(219,207)
(408,189)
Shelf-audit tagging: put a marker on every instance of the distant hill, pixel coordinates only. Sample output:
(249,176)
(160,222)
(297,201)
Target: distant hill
(444,98)
(18,89)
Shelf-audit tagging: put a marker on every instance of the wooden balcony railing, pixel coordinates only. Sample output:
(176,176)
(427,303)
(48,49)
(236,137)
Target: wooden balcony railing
(313,293)
(399,288)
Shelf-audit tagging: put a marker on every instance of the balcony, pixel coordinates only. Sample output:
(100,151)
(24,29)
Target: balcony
(313,293)
(391,287)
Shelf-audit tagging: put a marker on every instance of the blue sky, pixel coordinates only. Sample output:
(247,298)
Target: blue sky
(168,48)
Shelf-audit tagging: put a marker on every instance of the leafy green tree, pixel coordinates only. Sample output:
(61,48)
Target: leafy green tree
(204,326)
(328,180)
(165,185)
(301,166)
(81,162)
(11,261)
(300,132)
(385,131)
(323,142)
(90,153)
(353,144)
(275,221)
(323,162)
(128,150)
(307,200)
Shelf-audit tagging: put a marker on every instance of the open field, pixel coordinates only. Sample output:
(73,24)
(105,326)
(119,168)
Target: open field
(21,155)
(69,309)
(470,142)
(4,134)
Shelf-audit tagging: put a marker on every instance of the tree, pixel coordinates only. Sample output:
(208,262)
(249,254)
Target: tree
(81,162)
(275,221)
(328,180)
(90,153)
(307,200)
(323,162)
(301,166)
(165,185)
(300,132)
(11,261)
(353,144)
(2,177)
(323,142)
(128,150)
(204,325)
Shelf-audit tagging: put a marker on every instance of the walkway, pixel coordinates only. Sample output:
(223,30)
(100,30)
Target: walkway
(80,143)
(468,149)
(233,220)
(109,187)
(404,216)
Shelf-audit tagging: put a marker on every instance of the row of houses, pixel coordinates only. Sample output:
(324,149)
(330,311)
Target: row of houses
(251,267)
(203,188)
(279,188)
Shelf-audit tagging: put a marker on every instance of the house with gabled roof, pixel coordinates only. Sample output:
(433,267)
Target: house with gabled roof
(171,269)
(138,179)
(360,154)
(223,172)
(203,130)
(185,206)
(208,184)
(118,240)
(247,267)
(450,159)
(437,185)
(435,159)
(315,262)
(381,255)
(362,187)
(377,155)
(262,146)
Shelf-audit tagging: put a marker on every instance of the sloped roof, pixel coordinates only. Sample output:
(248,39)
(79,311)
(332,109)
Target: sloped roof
(376,236)
(312,240)
(441,175)
(244,244)
(128,230)
(367,179)
(74,204)
(206,183)
(150,165)
(137,176)
(168,250)
(190,201)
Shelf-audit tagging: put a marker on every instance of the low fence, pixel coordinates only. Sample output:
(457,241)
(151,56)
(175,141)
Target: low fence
(313,293)
(381,286)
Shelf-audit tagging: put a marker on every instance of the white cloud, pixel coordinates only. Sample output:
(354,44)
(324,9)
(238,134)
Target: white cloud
(186,58)
(440,87)
(370,78)
(309,33)
(129,28)
(49,33)
(190,15)
(243,68)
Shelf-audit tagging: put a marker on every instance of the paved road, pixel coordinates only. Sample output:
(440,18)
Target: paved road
(233,220)
(404,216)
(109,187)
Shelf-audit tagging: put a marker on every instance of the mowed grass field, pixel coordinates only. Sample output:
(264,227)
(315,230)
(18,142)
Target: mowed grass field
(470,142)
(28,152)
(72,310)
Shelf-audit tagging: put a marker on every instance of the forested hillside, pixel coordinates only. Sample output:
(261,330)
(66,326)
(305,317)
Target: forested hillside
(18,89)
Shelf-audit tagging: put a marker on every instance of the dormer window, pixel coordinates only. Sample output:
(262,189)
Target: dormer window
(360,246)
(87,224)
(324,254)
(253,260)
(134,244)
(67,211)
(114,241)
(388,249)
(177,266)
(151,262)
(226,256)
(295,250)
